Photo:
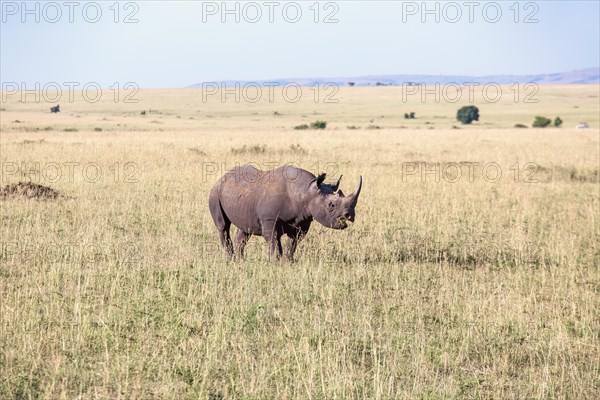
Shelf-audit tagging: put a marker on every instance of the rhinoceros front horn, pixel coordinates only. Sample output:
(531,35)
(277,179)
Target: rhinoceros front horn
(353,198)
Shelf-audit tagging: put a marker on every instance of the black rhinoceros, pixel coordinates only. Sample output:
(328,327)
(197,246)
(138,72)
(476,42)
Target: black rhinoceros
(272,203)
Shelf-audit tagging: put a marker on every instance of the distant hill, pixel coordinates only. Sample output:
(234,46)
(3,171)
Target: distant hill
(584,76)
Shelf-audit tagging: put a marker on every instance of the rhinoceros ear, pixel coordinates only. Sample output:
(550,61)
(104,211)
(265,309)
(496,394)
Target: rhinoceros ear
(321,179)
(315,184)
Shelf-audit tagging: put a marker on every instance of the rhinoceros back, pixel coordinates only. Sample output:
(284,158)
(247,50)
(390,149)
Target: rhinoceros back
(243,190)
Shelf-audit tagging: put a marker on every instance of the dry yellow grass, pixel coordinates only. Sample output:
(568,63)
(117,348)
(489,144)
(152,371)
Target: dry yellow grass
(445,287)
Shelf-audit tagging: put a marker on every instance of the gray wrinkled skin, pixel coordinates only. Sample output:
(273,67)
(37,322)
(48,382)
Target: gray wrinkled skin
(274,203)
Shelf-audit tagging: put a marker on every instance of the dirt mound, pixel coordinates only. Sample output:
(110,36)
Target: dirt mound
(28,190)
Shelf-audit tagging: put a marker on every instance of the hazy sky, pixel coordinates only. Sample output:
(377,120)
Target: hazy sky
(179,43)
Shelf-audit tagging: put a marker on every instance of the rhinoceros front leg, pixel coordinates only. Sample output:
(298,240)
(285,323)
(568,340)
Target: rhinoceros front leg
(272,234)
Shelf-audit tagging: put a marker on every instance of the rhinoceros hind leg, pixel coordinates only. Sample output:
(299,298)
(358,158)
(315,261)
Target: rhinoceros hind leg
(226,241)
(290,248)
(295,236)
(223,224)
(272,233)
(241,239)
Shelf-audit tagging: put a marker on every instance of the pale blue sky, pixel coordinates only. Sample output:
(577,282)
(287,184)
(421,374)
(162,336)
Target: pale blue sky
(171,46)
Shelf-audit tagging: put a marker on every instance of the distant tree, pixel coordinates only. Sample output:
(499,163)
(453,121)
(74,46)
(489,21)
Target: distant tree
(541,122)
(412,115)
(318,125)
(351,83)
(468,114)
(558,122)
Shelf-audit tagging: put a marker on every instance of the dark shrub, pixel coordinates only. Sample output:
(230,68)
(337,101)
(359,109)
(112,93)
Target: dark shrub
(318,125)
(468,114)
(256,149)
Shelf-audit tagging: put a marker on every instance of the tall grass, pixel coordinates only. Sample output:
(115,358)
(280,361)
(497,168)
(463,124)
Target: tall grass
(443,287)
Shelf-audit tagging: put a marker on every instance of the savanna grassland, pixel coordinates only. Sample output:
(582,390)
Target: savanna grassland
(471,270)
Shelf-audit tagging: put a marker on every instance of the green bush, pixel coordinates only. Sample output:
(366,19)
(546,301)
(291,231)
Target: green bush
(97,129)
(558,122)
(468,114)
(303,126)
(520,126)
(541,122)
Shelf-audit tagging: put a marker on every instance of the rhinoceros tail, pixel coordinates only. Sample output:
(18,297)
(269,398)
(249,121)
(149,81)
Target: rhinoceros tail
(221,221)
(216,211)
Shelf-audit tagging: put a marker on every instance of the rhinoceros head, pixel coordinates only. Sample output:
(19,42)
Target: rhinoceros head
(329,206)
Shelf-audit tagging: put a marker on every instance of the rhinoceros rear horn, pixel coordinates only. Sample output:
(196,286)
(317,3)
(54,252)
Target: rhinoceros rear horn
(336,186)
(353,198)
